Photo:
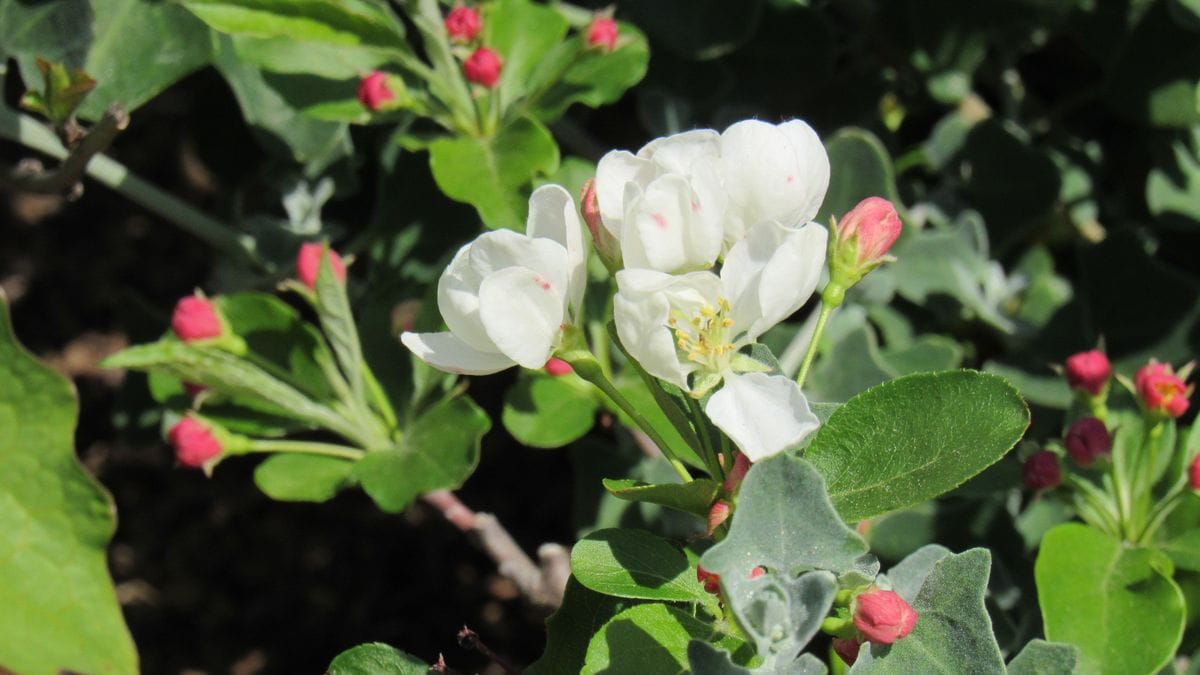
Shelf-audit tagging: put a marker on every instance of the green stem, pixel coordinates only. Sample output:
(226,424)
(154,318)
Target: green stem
(380,398)
(706,446)
(1159,515)
(307,448)
(32,134)
(822,319)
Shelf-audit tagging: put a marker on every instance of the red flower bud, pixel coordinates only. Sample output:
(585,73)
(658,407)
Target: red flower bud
(1194,473)
(1087,439)
(373,91)
(483,67)
(1161,390)
(883,616)
(1088,371)
(308,262)
(463,24)
(847,649)
(710,580)
(1041,471)
(556,367)
(717,514)
(602,33)
(195,318)
(741,464)
(757,572)
(874,224)
(194,443)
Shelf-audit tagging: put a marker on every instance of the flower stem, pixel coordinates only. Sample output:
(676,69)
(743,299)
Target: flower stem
(826,310)
(706,445)
(306,448)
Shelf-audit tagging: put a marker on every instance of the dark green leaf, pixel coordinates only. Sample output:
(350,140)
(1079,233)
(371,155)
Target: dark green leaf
(694,497)
(274,331)
(523,33)
(302,478)
(631,563)
(650,638)
(374,658)
(337,322)
(592,77)
(860,167)
(549,412)
(569,630)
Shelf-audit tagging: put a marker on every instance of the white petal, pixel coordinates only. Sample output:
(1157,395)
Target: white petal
(771,273)
(447,352)
(677,153)
(614,170)
(641,325)
(496,250)
(522,311)
(814,168)
(763,414)
(660,229)
(552,215)
(762,172)
(458,300)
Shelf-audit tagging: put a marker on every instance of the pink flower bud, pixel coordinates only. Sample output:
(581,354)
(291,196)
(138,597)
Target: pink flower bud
(589,204)
(194,443)
(741,464)
(757,572)
(847,649)
(883,616)
(308,263)
(483,67)
(195,318)
(1041,471)
(1161,390)
(710,580)
(602,33)
(463,24)
(1087,439)
(1194,473)
(556,367)
(373,91)
(1088,371)
(717,514)
(874,224)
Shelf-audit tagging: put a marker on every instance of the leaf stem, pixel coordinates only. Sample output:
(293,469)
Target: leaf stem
(306,448)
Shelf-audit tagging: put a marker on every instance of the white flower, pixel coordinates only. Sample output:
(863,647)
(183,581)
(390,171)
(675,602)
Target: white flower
(688,330)
(506,296)
(684,200)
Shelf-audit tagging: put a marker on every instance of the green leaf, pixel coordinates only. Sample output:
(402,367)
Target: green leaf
(302,478)
(548,412)
(1112,601)
(631,563)
(1044,658)
(785,522)
(274,331)
(61,611)
(492,174)
(1184,550)
(860,167)
(1173,187)
(694,497)
(348,23)
(523,33)
(705,659)
(592,77)
(373,658)
(281,54)
(650,402)
(650,639)
(569,630)
(781,613)
(939,429)
(697,29)
(439,451)
(337,322)
(908,576)
(953,632)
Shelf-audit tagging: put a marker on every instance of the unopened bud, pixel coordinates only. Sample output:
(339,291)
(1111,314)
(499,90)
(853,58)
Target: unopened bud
(1088,371)
(602,33)
(871,227)
(194,443)
(883,616)
(847,649)
(1194,473)
(308,263)
(717,514)
(483,67)
(195,318)
(556,367)
(373,91)
(711,580)
(1087,439)
(757,571)
(1161,391)
(1041,471)
(733,479)
(463,24)
(606,245)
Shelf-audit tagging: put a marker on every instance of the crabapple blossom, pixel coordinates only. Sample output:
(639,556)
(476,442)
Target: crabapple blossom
(483,67)
(463,24)
(1161,390)
(1088,371)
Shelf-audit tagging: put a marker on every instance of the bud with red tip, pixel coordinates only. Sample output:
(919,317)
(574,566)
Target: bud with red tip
(1087,439)
(711,580)
(883,616)
(847,649)
(556,367)
(463,24)
(1042,471)
(1088,371)
(308,263)
(863,237)
(733,479)
(717,514)
(1162,392)
(1194,473)
(606,244)
(483,67)
(195,444)
(602,33)
(374,92)
(195,318)
(757,571)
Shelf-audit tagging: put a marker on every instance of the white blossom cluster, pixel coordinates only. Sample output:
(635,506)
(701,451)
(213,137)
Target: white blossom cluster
(715,246)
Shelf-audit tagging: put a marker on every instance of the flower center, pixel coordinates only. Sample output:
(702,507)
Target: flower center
(704,337)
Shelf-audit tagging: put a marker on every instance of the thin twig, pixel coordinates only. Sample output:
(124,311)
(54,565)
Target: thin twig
(66,177)
(542,583)
(469,639)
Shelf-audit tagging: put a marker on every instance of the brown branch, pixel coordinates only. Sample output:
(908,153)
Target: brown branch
(469,639)
(31,177)
(542,583)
